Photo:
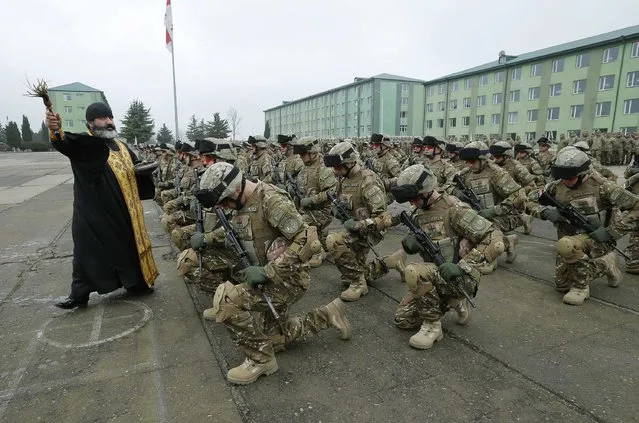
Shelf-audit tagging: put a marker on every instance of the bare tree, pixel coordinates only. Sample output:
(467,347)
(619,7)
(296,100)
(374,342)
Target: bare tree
(234,120)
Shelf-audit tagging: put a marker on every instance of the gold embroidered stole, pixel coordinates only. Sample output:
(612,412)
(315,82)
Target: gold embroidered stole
(122,166)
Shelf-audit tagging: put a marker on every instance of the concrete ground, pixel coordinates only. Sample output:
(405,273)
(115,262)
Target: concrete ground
(524,357)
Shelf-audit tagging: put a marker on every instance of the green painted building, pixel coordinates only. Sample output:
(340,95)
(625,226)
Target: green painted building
(391,104)
(586,84)
(71,101)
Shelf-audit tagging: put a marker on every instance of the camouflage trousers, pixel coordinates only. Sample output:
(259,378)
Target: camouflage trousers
(349,253)
(321,220)
(174,205)
(579,268)
(246,315)
(179,218)
(632,251)
(429,298)
(217,268)
(158,197)
(181,236)
(168,195)
(508,223)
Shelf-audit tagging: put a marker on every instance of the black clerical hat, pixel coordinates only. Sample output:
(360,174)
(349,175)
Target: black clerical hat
(98,110)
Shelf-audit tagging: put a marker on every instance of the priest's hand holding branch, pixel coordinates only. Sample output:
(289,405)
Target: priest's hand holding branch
(53,120)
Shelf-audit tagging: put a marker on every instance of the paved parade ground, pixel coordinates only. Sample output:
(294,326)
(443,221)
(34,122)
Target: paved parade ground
(525,356)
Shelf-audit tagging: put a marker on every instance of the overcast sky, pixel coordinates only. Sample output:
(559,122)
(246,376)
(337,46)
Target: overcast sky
(252,54)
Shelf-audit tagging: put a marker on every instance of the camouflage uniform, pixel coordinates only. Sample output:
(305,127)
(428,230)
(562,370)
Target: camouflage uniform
(563,142)
(263,166)
(165,175)
(387,168)
(546,157)
(441,168)
(594,163)
(632,250)
(532,165)
(596,145)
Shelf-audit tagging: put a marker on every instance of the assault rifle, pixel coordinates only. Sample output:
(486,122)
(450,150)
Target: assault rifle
(369,164)
(343,214)
(294,186)
(574,217)
(243,258)
(433,251)
(199,222)
(472,198)
(176,167)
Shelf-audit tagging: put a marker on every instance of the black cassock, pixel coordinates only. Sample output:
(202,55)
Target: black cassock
(105,256)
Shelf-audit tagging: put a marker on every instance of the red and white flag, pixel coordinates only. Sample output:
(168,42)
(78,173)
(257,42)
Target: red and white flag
(168,24)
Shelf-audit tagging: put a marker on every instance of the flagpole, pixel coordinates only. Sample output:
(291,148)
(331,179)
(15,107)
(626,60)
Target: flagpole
(177,133)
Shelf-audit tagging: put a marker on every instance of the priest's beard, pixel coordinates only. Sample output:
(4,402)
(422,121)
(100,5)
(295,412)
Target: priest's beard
(108,132)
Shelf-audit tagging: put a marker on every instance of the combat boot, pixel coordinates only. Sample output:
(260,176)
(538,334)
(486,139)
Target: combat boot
(209,313)
(528,220)
(488,268)
(511,242)
(317,259)
(249,371)
(355,290)
(613,273)
(396,261)
(428,334)
(463,311)
(577,296)
(335,313)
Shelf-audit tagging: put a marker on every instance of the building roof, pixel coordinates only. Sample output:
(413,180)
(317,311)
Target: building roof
(358,80)
(572,46)
(75,87)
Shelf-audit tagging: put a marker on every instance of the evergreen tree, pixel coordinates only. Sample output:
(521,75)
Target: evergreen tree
(194,130)
(137,123)
(27,133)
(165,135)
(44,133)
(218,127)
(267,130)
(3,134)
(14,139)
(202,130)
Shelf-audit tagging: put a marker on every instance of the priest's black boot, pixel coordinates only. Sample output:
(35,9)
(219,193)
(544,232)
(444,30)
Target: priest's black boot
(71,303)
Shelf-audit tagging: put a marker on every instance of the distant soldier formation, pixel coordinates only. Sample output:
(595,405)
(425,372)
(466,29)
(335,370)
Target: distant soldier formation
(249,219)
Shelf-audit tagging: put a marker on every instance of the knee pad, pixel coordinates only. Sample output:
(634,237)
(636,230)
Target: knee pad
(166,224)
(496,247)
(417,279)
(223,306)
(186,261)
(334,245)
(571,249)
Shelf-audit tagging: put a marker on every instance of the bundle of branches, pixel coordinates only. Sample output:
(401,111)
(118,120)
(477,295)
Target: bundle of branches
(40,89)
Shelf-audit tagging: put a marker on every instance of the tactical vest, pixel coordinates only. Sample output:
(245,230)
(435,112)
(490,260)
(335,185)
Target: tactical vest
(438,167)
(435,223)
(481,186)
(586,199)
(380,166)
(349,192)
(251,226)
(516,171)
(255,170)
(308,178)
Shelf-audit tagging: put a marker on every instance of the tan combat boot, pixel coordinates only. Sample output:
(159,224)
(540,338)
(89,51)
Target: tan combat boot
(209,313)
(577,296)
(511,242)
(488,268)
(397,261)
(463,311)
(528,220)
(317,259)
(613,273)
(336,316)
(355,290)
(249,371)
(428,334)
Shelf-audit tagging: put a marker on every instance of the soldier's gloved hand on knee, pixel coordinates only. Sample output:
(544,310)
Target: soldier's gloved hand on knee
(352,225)
(488,213)
(198,241)
(255,275)
(306,203)
(411,245)
(450,271)
(552,214)
(601,235)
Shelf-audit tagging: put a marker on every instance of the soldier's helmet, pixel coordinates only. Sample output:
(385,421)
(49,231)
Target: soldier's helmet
(413,181)
(544,141)
(454,146)
(343,153)
(474,150)
(381,139)
(582,146)
(285,139)
(219,182)
(522,146)
(570,162)
(306,145)
(432,141)
(224,149)
(501,148)
(417,141)
(258,141)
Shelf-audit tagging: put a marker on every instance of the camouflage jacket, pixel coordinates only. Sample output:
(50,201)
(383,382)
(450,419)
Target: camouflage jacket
(441,168)
(520,174)
(603,170)
(262,168)
(388,169)
(532,165)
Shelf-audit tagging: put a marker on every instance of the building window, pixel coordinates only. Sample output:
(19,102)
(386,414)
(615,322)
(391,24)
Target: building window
(513,117)
(67,109)
(429,124)
(533,93)
(558,65)
(480,120)
(610,54)
(536,69)
(402,129)
(628,130)
(579,86)
(633,79)
(452,122)
(634,53)
(441,106)
(495,119)
(67,97)
(404,87)
(530,136)
(454,86)
(466,121)
(467,103)
(68,123)
(553,113)
(516,74)
(582,60)
(631,106)
(481,100)
(441,88)
(483,80)
(555,90)
(606,82)
(440,123)
(499,77)
(431,90)
(404,100)
(402,114)
(514,96)
(532,115)
(468,83)
(429,107)
(453,104)
(576,111)
(497,98)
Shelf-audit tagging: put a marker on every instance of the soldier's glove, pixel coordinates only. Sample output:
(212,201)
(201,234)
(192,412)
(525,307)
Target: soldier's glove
(601,235)
(450,271)
(335,212)
(198,241)
(306,203)
(552,214)
(411,245)
(488,213)
(352,225)
(255,276)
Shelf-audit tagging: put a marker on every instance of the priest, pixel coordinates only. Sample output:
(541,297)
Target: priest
(111,247)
